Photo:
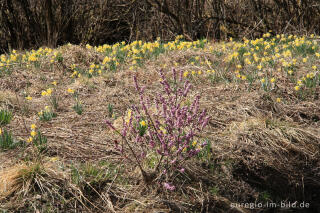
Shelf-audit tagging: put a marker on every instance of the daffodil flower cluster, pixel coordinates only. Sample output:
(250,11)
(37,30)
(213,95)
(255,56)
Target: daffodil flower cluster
(33,133)
(47,114)
(38,140)
(257,59)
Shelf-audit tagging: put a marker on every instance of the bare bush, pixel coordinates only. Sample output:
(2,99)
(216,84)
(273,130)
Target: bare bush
(33,23)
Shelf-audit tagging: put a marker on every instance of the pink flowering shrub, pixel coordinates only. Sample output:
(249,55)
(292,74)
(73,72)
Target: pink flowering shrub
(165,127)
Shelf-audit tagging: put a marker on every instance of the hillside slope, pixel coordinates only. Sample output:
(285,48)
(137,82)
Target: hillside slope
(262,140)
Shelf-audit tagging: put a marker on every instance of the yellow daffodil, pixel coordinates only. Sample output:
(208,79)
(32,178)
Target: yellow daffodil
(54,159)
(49,91)
(44,93)
(272,80)
(29,98)
(70,90)
(30,139)
(33,133)
(259,67)
(129,113)
(163,130)
(143,123)
(33,126)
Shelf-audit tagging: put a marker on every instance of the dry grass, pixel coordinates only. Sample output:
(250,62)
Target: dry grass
(258,145)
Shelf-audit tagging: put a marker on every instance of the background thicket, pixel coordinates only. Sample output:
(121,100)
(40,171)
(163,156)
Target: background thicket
(34,23)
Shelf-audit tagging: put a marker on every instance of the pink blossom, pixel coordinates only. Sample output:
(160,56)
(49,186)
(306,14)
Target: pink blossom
(169,186)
